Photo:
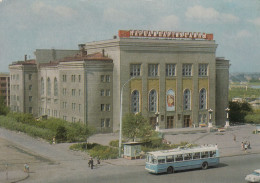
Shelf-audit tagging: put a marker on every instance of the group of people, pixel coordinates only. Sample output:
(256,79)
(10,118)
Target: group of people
(91,162)
(245,145)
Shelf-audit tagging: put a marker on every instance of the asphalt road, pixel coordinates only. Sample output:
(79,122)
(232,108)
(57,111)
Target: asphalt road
(56,164)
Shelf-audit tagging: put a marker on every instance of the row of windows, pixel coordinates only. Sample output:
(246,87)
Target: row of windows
(13,76)
(73,106)
(14,98)
(170,70)
(105,78)
(153,98)
(74,78)
(105,107)
(188,156)
(49,87)
(104,92)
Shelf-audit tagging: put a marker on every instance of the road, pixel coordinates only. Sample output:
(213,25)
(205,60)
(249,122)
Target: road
(56,164)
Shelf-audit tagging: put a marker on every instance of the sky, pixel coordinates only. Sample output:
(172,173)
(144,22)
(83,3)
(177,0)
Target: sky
(27,25)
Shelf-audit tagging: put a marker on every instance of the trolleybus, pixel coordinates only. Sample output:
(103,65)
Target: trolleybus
(182,159)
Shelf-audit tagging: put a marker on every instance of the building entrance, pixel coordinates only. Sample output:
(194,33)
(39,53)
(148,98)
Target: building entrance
(153,122)
(170,122)
(186,121)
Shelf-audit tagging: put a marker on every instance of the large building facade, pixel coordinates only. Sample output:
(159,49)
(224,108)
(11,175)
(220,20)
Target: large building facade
(5,88)
(171,74)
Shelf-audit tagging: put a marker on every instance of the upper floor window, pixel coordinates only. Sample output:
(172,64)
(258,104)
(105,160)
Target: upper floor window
(64,91)
(152,101)
(186,99)
(203,69)
(55,87)
(73,92)
(42,86)
(64,78)
(170,69)
(73,78)
(79,78)
(107,107)
(202,99)
(108,92)
(135,69)
(102,78)
(30,87)
(102,92)
(107,78)
(187,69)
(30,76)
(48,86)
(153,69)
(135,101)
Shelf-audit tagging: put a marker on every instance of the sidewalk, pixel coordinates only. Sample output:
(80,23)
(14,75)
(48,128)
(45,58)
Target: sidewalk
(225,141)
(13,176)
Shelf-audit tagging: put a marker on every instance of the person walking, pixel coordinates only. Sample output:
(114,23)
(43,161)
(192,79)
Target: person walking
(91,163)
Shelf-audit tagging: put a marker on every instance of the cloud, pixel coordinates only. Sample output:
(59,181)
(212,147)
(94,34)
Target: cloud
(209,15)
(170,22)
(45,10)
(243,34)
(255,21)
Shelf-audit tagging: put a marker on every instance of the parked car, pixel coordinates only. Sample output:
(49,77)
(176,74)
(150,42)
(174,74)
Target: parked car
(253,177)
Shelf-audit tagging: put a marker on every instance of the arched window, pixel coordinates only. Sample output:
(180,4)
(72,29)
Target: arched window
(49,87)
(55,87)
(135,101)
(152,101)
(42,86)
(186,99)
(203,99)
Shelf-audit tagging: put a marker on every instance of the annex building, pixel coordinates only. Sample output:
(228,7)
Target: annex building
(173,75)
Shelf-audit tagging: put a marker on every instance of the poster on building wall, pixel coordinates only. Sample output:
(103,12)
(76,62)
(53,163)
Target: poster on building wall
(170,100)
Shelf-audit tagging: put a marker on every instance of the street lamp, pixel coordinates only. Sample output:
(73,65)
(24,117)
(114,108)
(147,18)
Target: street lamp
(121,111)
(157,121)
(227,120)
(210,113)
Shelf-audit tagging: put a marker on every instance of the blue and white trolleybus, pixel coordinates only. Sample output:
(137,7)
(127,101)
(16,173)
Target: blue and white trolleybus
(182,159)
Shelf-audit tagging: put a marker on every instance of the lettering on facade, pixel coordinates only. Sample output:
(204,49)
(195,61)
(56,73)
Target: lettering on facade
(163,34)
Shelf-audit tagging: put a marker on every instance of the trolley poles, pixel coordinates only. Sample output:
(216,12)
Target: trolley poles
(121,111)
(227,121)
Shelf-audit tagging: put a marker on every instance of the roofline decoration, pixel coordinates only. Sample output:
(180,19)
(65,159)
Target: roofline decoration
(164,35)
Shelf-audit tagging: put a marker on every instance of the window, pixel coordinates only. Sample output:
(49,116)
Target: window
(65,118)
(79,92)
(79,78)
(102,107)
(55,101)
(186,69)
(102,92)
(30,76)
(73,106)
(30,110)
(170,69)
(42,86)
(55,87)
(107,107)
(64,91)
(73,78)
(17,98)
(187,156)
(203,69)
(202,99)
(102,123)
(152,101)
(196,155)
(30,98)
(135,101)
(79,107)
(179,157)
(102,78)
(49,87)
(205,154)
(17,77)
(169,159)
(135,69)
(153,70)
(186,99)
(64,78)
(108,92)
(64,105)
(107,122)
(212,154)
(30,87)
(73,92)
(107,78)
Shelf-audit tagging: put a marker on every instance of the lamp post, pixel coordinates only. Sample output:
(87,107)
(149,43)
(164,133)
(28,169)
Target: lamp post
(157,121)
(227,120)
(210,116)
(121,111)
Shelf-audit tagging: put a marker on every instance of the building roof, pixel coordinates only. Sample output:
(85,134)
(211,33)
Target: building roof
(83,56)
(27,62)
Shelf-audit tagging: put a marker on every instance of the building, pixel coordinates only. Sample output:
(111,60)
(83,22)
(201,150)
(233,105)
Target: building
(5,87)
(170,77)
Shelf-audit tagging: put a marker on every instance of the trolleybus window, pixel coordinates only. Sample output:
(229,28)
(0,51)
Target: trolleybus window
(187,156)
(196,155)
(179,157)
(212,154)
(161,160)
(204,154)
(169,159)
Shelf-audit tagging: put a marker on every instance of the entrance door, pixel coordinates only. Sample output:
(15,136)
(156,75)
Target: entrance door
(170,121)
(187,121)
(153,122)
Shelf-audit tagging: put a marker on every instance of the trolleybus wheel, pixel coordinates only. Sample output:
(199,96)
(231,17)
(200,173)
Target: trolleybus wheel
(170,170)
(204,165)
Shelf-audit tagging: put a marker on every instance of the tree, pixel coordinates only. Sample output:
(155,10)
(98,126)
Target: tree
(238,111)
(136,126)
(4,110)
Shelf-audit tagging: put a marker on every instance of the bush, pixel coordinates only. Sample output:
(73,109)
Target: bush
(61,134)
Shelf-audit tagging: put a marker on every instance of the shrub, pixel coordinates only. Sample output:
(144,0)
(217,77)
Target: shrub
(61,134)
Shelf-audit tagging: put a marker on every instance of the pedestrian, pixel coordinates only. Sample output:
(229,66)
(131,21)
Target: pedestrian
(242,146)
(26,168)
(91,163)
(245,146)
(248,145)
(98,160)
